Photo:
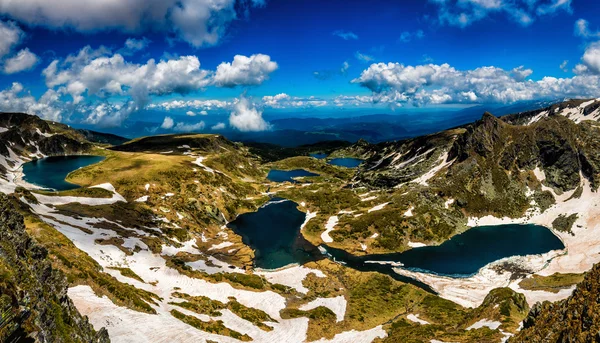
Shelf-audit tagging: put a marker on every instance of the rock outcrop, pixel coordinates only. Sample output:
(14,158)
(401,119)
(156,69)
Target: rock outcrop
(34,306)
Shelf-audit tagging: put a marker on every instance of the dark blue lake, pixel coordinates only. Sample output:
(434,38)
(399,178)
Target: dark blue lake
(287,175)
(50,172)
(347,162)
(319,155)
(274,233)
(463,255)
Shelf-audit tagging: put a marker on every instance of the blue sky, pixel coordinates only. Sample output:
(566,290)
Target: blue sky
(321,55)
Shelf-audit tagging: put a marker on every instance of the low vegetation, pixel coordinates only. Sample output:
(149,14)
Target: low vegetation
(564,223)
(552,283)
(213,326)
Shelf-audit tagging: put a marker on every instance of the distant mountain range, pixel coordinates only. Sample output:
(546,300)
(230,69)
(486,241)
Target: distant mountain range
(375,128)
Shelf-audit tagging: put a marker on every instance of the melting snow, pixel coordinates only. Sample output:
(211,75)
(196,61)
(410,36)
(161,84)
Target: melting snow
(290,276)
(330,226)
(337,305)
(415,318)
(485,323)
(378,207)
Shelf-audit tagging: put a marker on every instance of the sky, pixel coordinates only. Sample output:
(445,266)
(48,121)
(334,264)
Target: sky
(103,62)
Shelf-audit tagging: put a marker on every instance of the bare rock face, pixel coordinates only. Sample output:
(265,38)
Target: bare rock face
(575,319)
(34,305)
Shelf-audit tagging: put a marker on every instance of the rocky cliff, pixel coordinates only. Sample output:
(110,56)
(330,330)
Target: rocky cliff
(575,319)
(34,306)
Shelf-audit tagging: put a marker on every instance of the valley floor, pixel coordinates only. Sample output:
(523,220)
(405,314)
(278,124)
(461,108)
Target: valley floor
(151,258)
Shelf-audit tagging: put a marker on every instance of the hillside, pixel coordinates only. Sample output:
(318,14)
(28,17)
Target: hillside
(33,295)
(144,241)
(575,319)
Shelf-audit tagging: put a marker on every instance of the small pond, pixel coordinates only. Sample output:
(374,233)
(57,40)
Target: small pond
(50,172)
(288,175)
(274,233)
(347,162)
(319,155)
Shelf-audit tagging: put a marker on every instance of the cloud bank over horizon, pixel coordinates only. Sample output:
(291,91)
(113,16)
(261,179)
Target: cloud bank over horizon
(177,57)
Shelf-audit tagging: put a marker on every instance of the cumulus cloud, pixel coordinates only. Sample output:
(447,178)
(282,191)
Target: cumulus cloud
(563,65)
(283,100)
(246,117)
(167,123)
(190,113)
(590,62)
(218,126)
(396,83)
(244,71)
(345,35)
(463,13)
(198,22)
(11,36)
(48,106)
(107,114)
(22,61)
(100,73)
(203,113)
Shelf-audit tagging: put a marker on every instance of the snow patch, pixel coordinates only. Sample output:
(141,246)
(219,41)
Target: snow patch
(415,318)
(378,207)
(290,276)
(330,226)
(337,305)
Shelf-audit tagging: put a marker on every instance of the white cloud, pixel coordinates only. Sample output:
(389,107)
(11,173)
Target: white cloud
(133,45)
(283,100)
(463,13)
(167,123)
(396,83)
(107,114)
(11,36)
(245,71)
(182,127)
(245,117)
(190,113)
(590,62)
(218,126)
(205,105)
(22,61)
(345,35)
(275,100)
(97,72)
(203,113)
(363,57)
(48,106)
(563,65)
(582,29)
(198,22)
